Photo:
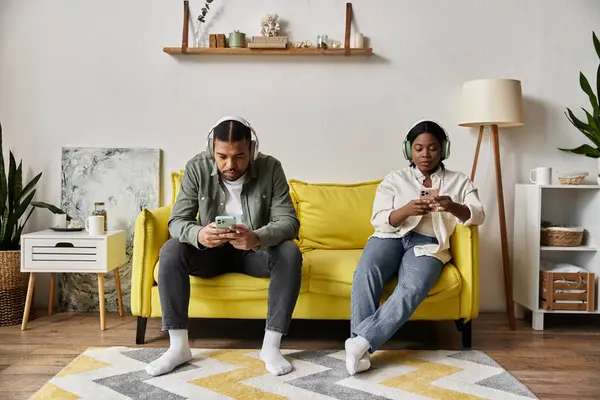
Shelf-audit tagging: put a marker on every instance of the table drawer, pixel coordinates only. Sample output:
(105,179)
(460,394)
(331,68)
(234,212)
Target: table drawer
(64,254)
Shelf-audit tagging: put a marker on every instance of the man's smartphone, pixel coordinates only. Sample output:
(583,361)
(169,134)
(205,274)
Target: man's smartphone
(428,194)
(225,222)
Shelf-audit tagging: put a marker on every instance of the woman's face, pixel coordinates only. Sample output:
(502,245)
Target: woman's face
(426,152)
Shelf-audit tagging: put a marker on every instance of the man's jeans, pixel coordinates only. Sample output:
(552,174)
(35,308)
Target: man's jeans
(282,263)
(380,261)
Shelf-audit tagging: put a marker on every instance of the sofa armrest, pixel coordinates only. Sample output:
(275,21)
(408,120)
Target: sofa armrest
(464,246)
(151,232)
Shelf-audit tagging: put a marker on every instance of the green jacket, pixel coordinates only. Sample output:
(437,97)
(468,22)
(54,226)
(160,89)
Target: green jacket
(265,199)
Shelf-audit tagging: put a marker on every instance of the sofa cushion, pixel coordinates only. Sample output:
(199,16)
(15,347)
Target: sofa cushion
(334,216)
(175,185)
(331,273)
(235,286)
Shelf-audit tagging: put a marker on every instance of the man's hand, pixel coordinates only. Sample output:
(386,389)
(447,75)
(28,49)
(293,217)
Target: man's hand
(210,236)
(243,238)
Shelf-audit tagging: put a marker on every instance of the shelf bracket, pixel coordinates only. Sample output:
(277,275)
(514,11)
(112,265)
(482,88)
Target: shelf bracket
(186,26)
(348,28)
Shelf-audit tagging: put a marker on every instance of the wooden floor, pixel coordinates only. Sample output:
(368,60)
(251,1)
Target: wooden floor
(561,362)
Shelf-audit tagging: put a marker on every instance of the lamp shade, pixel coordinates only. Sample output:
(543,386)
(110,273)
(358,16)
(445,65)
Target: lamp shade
(491,102)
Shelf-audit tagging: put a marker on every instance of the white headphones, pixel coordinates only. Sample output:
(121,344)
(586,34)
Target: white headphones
(210,141)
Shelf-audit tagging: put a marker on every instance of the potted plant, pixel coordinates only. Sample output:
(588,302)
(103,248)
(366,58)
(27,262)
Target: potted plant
(237,39)
(590,128)
(15,201)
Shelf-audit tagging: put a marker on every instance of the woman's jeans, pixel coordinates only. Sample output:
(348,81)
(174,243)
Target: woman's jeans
(380,261)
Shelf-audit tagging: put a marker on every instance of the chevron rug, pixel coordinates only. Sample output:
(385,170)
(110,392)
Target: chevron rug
(118,373)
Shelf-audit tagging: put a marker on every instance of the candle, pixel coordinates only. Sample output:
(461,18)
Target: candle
(359,41)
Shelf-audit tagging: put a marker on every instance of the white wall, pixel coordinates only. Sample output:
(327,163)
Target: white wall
(94,74)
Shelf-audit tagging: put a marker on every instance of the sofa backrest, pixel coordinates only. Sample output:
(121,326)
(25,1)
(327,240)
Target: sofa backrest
(332,216)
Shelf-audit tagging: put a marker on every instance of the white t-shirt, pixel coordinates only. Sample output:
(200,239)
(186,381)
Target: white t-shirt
(233,206)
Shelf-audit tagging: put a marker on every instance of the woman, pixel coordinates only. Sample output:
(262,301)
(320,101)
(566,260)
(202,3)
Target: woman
(411,239)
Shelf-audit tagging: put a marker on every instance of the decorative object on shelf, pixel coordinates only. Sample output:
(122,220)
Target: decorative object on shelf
(572,178)
(237,39)
(359,41)
(335,44)
(15,201)
(494,103)
(128,178)
(217,40)
(541,175)
(269,25)
(573,291)
(199,33)
(560,236)
(100,210)
(591,129)
(264,45)
(61,221)
(322,40)
(303,44)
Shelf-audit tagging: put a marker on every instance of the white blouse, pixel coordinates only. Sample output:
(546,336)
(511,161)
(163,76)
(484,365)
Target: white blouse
(401,186)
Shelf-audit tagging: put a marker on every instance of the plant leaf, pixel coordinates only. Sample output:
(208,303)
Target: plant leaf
(594,127)
(17,239)
(596,43)
(18,182)
(30,186)
(3,226)
(585,85)
(3,184)
(12,170)
(207,6)
(598,80)
(585,150)
(584,128)
(52,208)
(209,1)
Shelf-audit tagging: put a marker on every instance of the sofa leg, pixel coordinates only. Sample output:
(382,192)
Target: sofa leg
(140,334)
(465,329)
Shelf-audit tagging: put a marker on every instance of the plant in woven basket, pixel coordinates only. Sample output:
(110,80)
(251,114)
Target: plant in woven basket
(15,200)
(591,129)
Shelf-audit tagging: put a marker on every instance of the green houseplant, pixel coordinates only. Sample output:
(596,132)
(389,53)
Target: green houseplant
(591,127)
(15,201)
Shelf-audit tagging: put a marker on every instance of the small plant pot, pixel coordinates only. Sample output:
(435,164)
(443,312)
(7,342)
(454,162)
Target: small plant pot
(237,39)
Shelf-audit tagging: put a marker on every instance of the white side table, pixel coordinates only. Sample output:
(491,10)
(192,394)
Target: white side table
(65,252)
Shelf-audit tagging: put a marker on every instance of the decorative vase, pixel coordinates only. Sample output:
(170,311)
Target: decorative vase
(237,39)
(200,39)
(13,289)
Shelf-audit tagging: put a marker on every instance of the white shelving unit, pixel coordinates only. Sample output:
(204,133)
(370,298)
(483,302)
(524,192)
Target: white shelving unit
(571,205)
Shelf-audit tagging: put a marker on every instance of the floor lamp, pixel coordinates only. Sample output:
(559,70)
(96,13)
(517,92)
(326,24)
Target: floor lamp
(494,103)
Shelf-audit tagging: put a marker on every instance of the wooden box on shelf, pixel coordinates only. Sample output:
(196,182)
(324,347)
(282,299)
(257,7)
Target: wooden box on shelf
(571,291)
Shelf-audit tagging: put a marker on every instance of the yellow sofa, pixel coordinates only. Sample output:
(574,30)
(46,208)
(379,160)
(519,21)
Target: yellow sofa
(334,227)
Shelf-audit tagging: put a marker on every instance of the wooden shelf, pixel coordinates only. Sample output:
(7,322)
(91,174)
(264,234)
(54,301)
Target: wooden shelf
(577,248)
(185,49)
(267,52)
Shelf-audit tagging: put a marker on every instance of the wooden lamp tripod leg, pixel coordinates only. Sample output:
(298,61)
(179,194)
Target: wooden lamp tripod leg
(508,294)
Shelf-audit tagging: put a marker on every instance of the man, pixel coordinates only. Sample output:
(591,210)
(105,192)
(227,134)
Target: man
(230,178)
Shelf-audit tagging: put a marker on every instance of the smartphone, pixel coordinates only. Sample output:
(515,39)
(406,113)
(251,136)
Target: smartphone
(428,194)
(225,222)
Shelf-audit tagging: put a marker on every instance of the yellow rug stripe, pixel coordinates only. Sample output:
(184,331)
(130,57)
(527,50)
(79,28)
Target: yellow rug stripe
(50,391)
(81,364)
(228,383)
(419,381)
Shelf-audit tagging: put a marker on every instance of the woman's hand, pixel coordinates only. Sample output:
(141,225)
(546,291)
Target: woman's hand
(446,204)
(415,207)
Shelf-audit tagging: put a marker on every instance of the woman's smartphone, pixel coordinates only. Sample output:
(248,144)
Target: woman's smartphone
(225,222)
(428,194)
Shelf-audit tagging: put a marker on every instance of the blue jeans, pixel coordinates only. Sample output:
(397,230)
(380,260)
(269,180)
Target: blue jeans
(380,261)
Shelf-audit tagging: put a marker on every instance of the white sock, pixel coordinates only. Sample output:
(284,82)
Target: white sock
(178,353)
(356,349)
(275,363)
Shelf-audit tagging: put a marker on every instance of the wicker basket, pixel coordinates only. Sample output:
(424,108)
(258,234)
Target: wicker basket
(13,289)
(578,180)
(561,237)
